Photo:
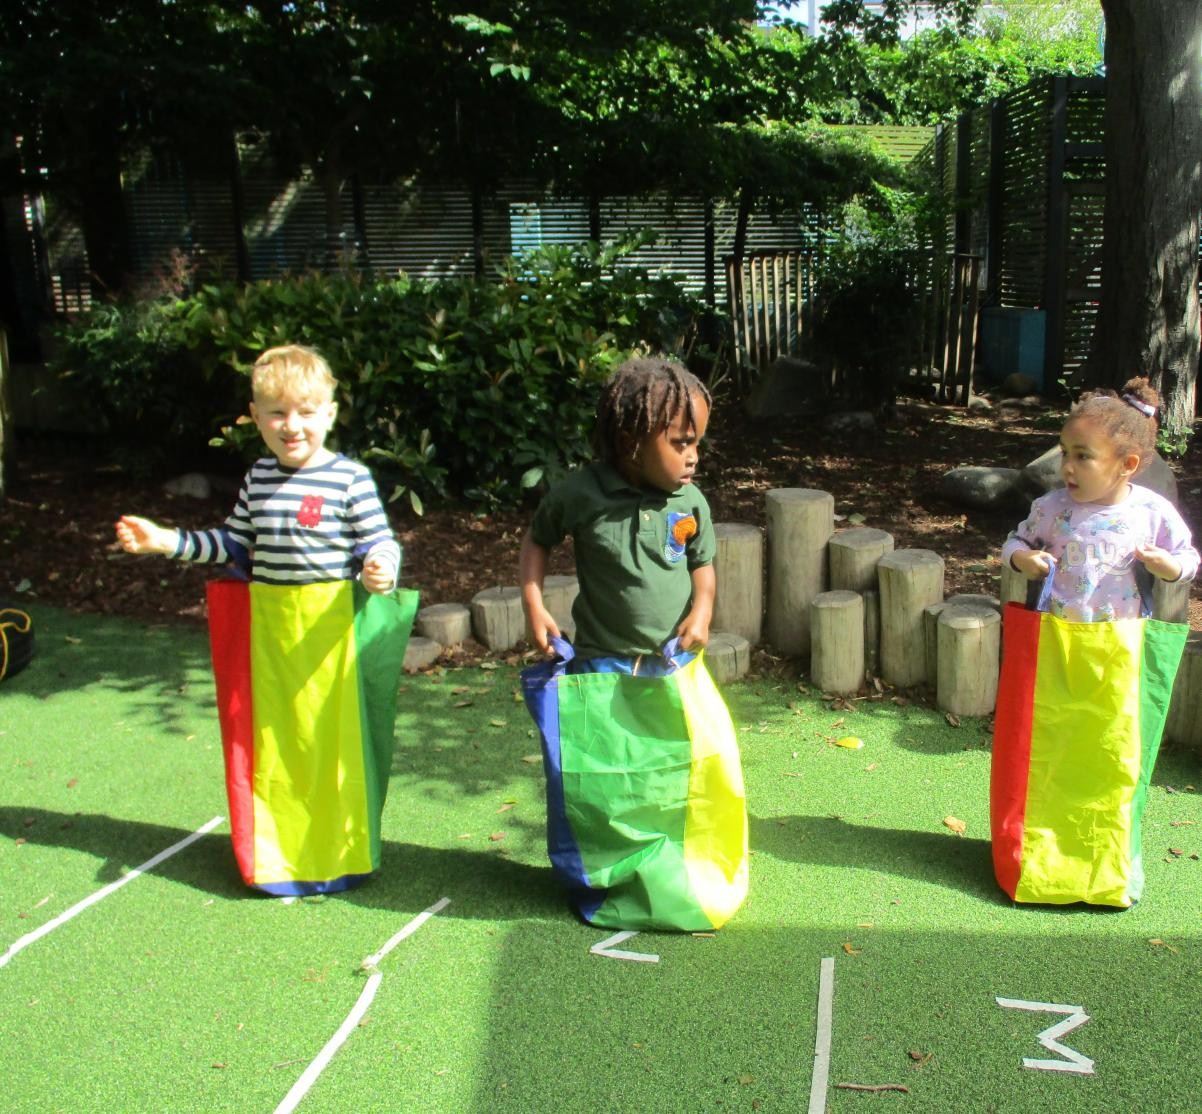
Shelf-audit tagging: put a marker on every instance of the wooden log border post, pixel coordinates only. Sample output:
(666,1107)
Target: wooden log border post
(910,580)
(837,641)
(931,626)
(1184,724)
(970,641)
(800,523)
(854,554)
(497,617)
(739,568)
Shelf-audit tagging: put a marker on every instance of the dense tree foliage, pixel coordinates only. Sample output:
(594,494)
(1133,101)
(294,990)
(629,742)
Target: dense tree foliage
(612,96)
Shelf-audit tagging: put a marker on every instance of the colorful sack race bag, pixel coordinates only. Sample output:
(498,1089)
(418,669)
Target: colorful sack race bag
(646,817)
(306,692)
(1080,712)
(16,641)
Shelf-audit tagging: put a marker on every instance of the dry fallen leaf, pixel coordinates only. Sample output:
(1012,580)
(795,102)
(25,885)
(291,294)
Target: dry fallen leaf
(956,824)
(496,836)
(850,949)
(532,758)
(506,806)
(951,718)
(850,742)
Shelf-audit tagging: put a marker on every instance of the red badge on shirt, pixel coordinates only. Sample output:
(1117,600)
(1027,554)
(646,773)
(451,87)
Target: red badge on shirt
(309,513)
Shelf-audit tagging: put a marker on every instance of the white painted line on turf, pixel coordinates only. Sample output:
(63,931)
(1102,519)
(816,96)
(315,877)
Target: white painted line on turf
(822,1036)
(373,961)
(80,906)
(301,1087)
(607,949)
(1073,1060)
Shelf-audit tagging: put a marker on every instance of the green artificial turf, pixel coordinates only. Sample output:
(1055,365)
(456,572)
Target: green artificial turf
(183,991)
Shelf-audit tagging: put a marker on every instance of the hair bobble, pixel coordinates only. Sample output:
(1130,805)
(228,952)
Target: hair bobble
(1143,407)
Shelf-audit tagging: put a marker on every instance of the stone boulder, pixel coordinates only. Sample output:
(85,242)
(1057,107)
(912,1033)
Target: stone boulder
(851,421)
(1018,385)
(974,485)
(788,388)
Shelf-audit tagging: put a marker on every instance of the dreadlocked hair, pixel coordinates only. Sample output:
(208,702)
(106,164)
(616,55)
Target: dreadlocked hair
(641,399)
(1123,416)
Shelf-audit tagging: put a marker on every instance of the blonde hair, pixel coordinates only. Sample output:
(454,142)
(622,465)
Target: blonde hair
(292,371)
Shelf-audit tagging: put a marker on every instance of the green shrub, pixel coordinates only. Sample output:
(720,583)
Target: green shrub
(473,389)
(132,366)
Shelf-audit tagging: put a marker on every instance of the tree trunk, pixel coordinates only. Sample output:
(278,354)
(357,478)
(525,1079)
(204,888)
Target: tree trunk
(1148,317)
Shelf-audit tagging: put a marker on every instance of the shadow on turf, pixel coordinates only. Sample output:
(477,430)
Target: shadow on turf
(411,877)
(959,863)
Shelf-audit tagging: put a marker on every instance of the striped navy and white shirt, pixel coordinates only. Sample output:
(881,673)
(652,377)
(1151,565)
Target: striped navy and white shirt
(299,526)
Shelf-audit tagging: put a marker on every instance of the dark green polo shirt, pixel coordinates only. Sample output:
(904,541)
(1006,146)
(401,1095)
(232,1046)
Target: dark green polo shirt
(635,550)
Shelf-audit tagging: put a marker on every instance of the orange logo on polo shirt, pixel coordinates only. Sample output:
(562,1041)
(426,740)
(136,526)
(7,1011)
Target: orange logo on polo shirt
(309,513)
(681,527)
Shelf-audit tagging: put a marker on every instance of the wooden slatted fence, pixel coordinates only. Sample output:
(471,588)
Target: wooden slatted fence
(770,298)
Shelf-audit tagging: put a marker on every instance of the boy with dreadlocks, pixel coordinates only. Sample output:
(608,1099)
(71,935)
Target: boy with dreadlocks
(642,533)
(646,818)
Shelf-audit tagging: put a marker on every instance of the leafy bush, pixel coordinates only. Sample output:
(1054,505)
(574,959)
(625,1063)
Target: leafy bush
(469,388)
(134,369)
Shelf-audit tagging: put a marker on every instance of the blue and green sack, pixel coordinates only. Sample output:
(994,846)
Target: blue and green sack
(646,816)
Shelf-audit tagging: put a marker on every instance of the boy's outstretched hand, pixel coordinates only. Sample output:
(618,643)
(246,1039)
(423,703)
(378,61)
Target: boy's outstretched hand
(140,535)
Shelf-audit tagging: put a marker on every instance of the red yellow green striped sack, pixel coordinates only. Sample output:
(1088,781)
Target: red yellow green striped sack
(1080,712)
(306,679)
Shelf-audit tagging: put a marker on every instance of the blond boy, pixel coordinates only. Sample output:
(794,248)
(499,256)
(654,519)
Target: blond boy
(304,514)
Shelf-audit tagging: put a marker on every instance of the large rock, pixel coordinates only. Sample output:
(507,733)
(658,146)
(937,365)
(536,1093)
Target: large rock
(974,485)
(1043,475)
(1018,385)
(788,388)
(851,421)
(194,485)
